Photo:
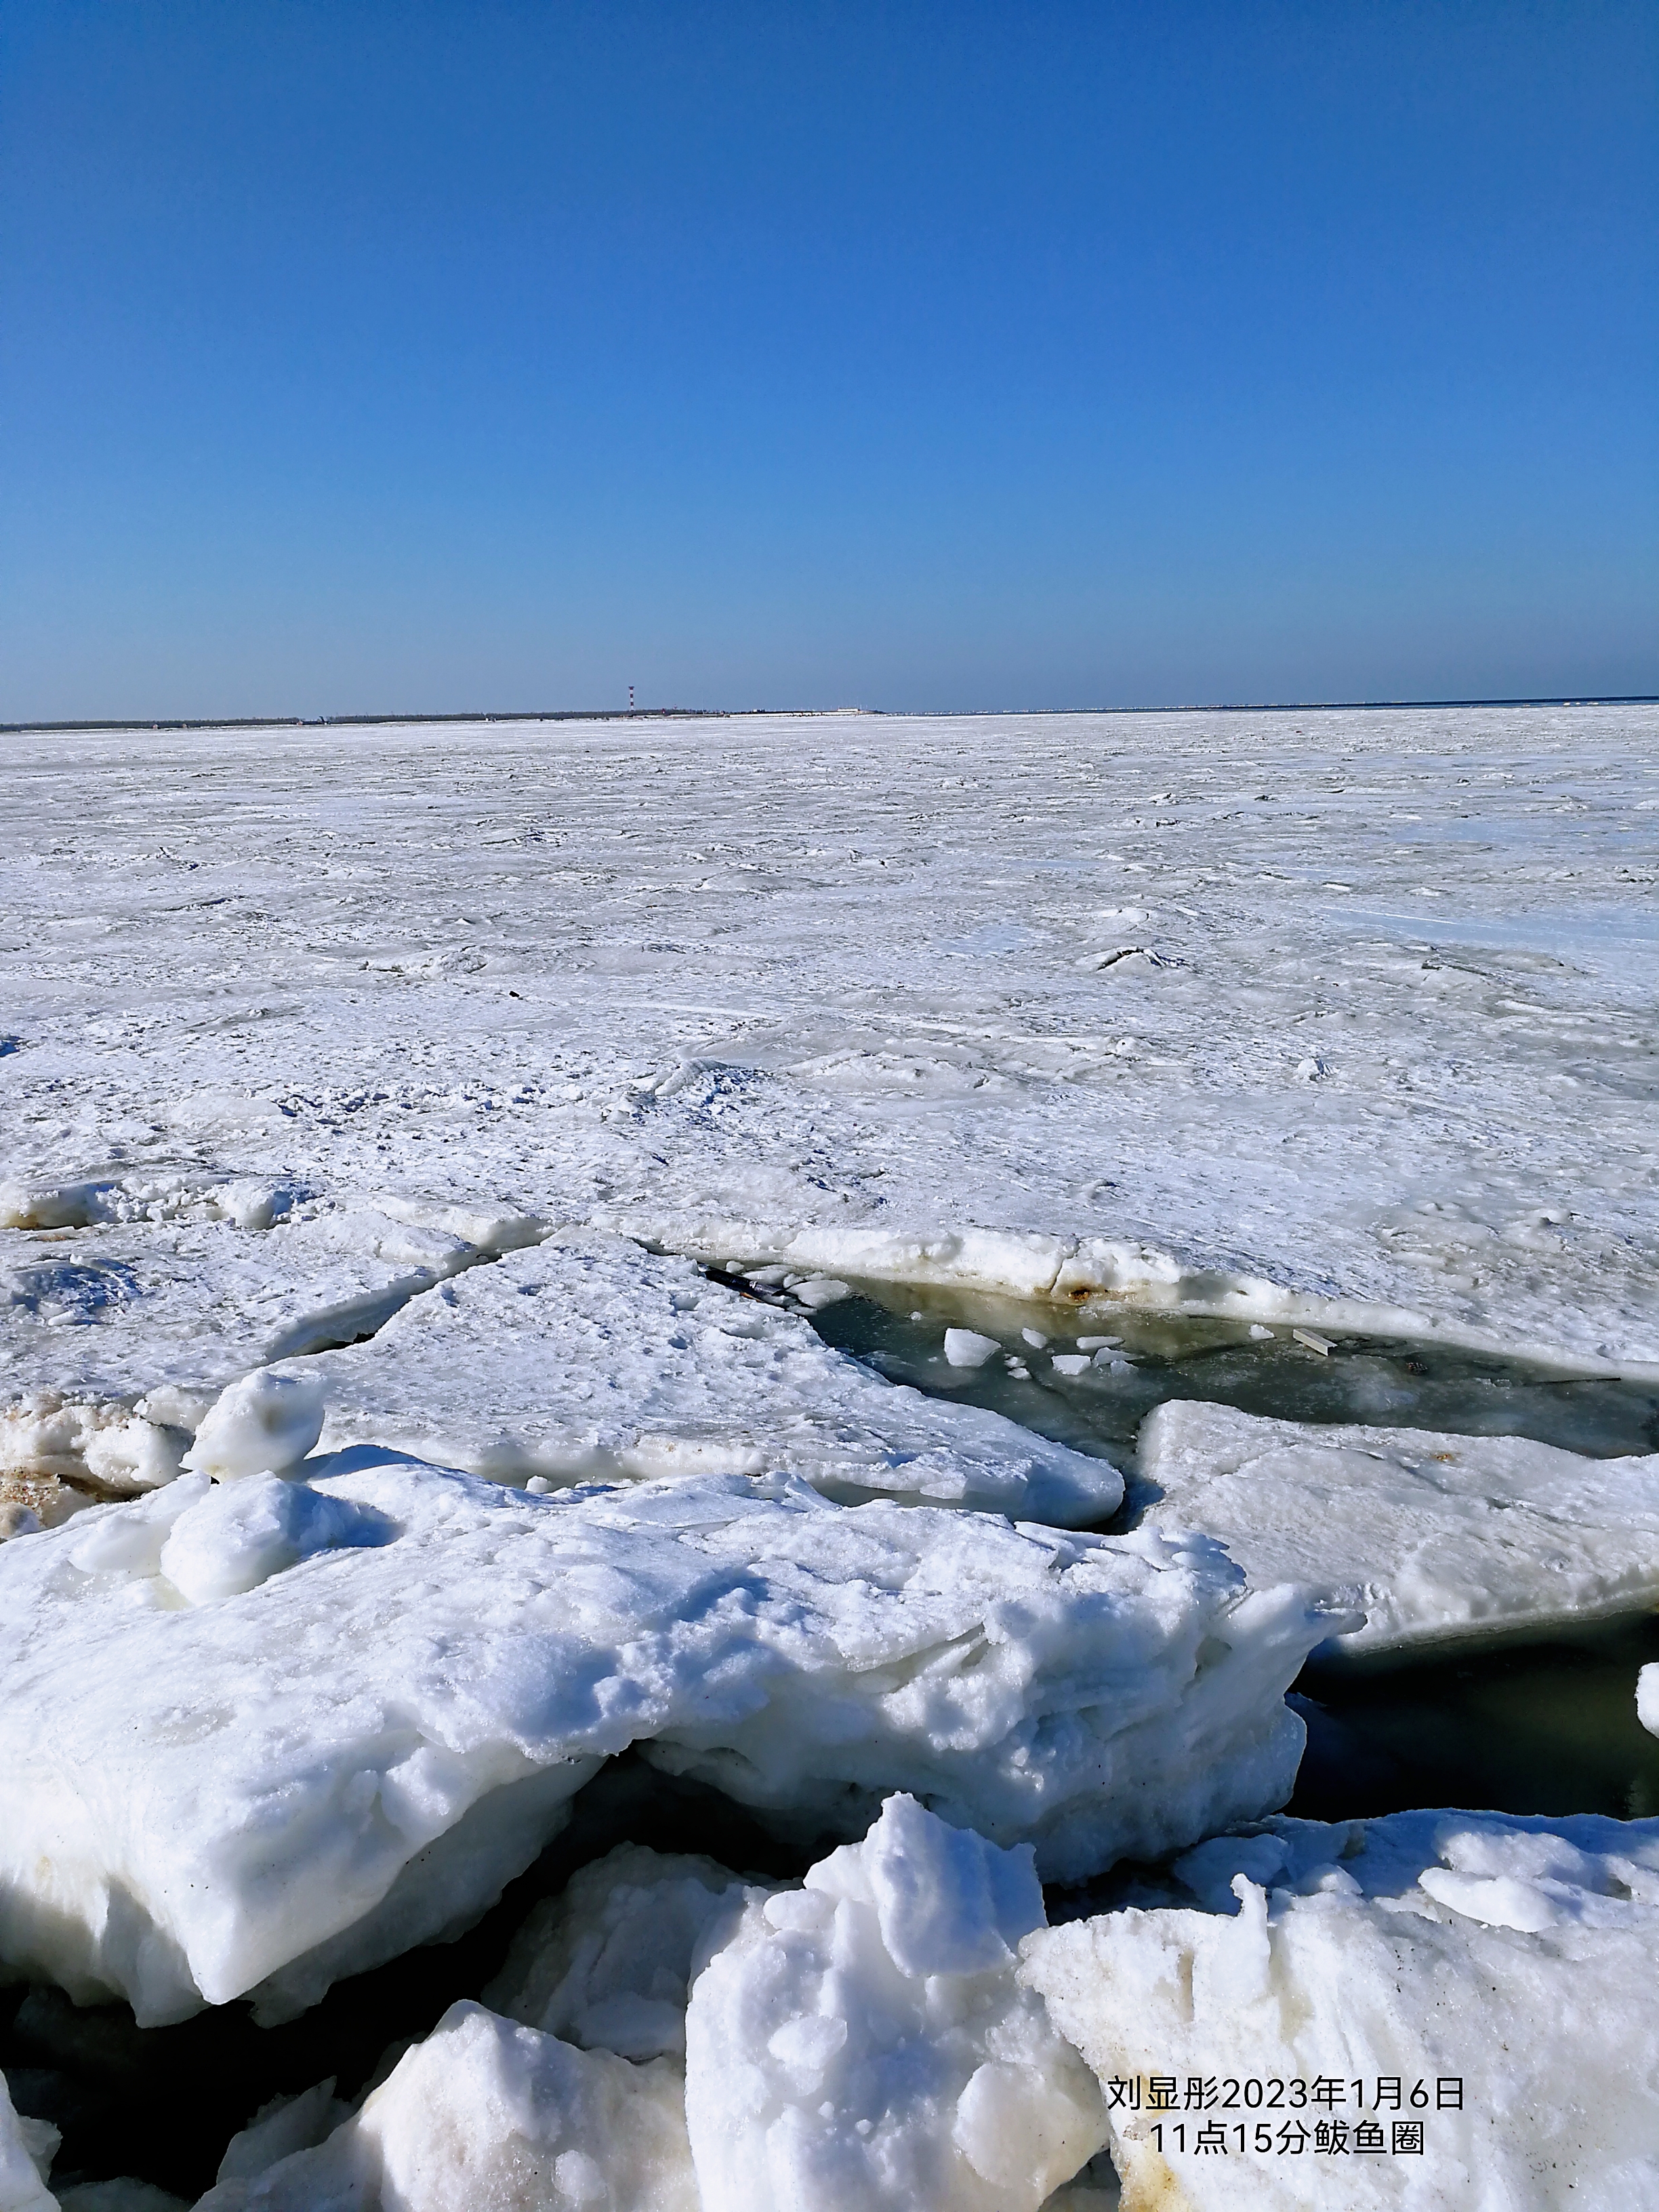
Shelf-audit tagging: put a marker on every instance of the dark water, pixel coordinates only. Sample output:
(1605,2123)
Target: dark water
(1392,1383)
(1531,1728)
(1541,1726)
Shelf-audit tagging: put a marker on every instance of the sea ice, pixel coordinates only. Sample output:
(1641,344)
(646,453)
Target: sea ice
(261,1425)
(608,1963)
(123,2193)
(492,2117)
(967,1348)
(1647,1698)
(231,1538)
(750,988)
(589,1358)
(1487,1980)
(122,1327)
(26,2149)
(266,1790)
(861,2044)
(1433,1537)
(280,2128)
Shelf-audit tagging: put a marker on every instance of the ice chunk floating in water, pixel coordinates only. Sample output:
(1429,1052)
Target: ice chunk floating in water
(1091,1376)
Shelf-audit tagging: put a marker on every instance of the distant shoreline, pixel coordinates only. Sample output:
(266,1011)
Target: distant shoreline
(817,714)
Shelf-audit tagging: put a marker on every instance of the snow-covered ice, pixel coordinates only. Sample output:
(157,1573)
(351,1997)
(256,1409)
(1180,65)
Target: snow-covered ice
(279,2128)
(487,2114)
(854,2043)
(587,1358)
(26,2154)
(126,1317)
(1497,1972)
(1647,1698)
(291,1782)
(1434,1537)
(861,2044)
(608,1963)
(262,1424)
(1332,1021)
(807,991)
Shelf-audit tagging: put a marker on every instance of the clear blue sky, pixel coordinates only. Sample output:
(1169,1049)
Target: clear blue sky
(379,355)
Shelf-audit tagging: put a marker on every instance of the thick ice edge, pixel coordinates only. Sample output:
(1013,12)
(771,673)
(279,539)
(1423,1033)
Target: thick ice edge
(1496,1973)
(294,1780)
(858,2043)
(587,1358)
(1435,1538)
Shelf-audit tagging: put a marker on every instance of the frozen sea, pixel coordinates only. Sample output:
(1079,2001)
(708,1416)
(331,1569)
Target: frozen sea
(1356,1005)
(554,1147)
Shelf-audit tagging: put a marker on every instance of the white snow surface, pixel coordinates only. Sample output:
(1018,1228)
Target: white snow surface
(262,1424)
(1434,1537)
(1514,1956)
(861,2044)
(266,1789)
(143,1297)
(587,1358)
(1647,1698)
(491,2117)
(858,2042)
(1319,1016)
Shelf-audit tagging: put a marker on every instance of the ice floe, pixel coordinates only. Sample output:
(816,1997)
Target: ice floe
(122,1330)
(609,1963)
(263,1791)
(485,2112)
(715,995)
(588,1357)
(1434,1536)
(1430,2008)
(856,2043)
(27,2148)
(1023,1004)
(861,2044)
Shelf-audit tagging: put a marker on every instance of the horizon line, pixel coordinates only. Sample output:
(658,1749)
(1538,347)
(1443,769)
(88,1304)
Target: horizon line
(731,713)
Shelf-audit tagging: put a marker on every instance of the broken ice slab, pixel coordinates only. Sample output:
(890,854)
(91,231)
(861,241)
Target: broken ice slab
(1463,2002)
(484,2112)
(1435,1537)
(121,1332)
(261,1793)
(858,2039)
(26,2154)
(863,2040)
(608,1963)
(589,1358)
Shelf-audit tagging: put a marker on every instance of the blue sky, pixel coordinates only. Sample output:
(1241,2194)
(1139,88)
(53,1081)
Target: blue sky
(361,357)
